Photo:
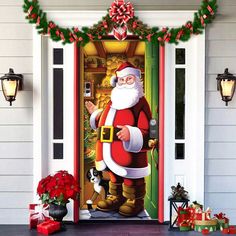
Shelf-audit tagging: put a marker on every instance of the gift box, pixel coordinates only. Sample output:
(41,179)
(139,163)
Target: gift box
(185,226)
(38,214)
(191,212)
(202,215)
(211,225)
(223,221)
(48,227)
(183,215)
(232,230)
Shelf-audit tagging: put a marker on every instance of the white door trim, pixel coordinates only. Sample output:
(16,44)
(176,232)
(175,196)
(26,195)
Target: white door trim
(195,121)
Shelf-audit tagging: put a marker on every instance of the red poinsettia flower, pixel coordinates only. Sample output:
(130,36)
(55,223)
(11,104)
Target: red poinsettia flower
(58,188)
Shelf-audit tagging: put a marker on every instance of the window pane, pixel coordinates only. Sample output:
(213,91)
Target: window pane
(179,151)
(179,103)
(58,103)
(180,56)
(58,56)
(58,151)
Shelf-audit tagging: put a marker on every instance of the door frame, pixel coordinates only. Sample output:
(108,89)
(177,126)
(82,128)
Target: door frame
(195,112)
(68,19)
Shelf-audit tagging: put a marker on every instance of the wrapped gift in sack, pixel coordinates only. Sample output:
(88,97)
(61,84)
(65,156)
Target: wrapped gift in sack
(191,211)
(211,225)
(185,226)
(223,221)
(183,215)
(196,205)
(48,227)
(202,215)
(38,214)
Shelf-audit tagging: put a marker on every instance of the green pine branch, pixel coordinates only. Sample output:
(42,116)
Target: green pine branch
(204,16)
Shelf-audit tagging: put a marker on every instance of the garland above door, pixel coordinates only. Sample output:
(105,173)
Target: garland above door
(119,20)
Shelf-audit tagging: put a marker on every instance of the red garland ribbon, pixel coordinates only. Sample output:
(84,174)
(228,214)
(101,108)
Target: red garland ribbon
(51,25)
(179,34)
(167,37)
(149,37)
(189,26)
(210,10)
(90,36)
(203,19)
(30,10)
(38,21)
(121,12)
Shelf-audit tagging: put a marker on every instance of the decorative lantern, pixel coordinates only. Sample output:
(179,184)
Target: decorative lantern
(11,83)
(226,85)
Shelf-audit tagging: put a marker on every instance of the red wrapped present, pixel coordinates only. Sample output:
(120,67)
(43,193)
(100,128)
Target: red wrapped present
(38,214)
(191,211)
(223,221)
(48,227)
(225,231)
(202,215)
(183,215)
(232,230)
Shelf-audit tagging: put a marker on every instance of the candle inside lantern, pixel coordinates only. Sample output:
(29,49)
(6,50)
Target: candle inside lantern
(227,87)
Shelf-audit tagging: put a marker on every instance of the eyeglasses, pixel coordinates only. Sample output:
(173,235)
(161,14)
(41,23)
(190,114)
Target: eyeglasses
(126,80)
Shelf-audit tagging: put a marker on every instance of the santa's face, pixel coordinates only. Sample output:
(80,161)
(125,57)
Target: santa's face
(129,80)
(127,92)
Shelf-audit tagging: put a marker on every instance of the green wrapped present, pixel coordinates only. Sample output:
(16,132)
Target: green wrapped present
(211,225)
(223,221)
(185,226)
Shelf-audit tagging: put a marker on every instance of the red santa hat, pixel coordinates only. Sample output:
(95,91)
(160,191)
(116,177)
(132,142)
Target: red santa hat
(125,69)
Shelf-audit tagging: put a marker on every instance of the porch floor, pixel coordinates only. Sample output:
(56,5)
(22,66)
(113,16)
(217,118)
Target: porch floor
(118,228)
(99,215)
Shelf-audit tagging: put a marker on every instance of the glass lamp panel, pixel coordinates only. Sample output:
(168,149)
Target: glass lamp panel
(10,88)
(227,87)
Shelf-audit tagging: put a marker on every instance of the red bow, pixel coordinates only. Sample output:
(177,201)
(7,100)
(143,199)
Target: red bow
(120,33)
(121,12)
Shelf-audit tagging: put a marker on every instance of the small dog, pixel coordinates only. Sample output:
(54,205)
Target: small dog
(99,183)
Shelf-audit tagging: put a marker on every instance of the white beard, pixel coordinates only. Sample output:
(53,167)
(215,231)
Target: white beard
(126,96)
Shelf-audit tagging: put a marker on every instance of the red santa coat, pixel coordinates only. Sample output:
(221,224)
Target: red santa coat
(126,159)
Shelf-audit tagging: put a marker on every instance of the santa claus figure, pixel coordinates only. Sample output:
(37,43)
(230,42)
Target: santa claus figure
(121,149)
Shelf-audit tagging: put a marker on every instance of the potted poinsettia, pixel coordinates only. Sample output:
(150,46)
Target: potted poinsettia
(56,190)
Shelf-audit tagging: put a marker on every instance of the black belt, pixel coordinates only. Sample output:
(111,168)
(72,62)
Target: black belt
(107,134)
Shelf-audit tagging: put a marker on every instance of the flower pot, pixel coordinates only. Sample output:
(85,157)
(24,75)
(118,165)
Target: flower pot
(57,212)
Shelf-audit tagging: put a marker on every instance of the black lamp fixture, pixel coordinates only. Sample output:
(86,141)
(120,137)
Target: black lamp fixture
(11,83)
(226,85)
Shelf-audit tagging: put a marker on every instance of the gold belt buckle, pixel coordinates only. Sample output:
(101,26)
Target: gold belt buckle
(104,131)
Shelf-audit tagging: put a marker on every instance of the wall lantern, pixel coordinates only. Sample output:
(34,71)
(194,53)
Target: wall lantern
(11,83)
(226,85)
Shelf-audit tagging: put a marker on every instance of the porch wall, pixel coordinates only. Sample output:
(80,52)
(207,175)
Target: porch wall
(16,123)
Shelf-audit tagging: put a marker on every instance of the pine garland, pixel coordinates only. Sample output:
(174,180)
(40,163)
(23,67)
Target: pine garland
(202,17)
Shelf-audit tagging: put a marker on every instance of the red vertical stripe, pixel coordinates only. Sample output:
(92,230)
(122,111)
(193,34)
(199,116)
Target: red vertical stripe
(161,134)
(76,123)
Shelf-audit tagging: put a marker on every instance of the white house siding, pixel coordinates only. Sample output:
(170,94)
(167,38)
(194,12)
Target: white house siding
(16,126)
